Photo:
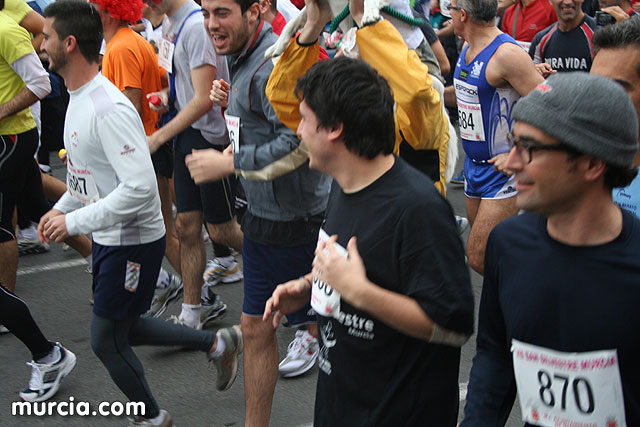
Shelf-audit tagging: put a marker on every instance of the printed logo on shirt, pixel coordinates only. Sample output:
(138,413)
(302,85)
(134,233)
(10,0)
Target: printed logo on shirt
(127,150)
(567,63)
(463,75)
(477,68)
(328,341)
(74,139)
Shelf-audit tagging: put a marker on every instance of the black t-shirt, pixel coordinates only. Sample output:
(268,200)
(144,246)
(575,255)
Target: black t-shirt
(370,374)
(565,298)
(565,51)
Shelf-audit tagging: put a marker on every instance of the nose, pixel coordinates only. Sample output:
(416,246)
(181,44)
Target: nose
(514,161)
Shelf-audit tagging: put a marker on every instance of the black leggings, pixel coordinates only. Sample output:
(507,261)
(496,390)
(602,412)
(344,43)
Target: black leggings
(111,341)
(20,181)
(15,315)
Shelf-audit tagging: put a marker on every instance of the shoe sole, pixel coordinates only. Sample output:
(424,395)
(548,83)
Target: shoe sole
(56,385)
(32,250)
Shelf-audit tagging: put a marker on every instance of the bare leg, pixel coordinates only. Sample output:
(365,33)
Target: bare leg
(53,187)
(260,369)
(80,244)
(172,252)
(489,214)
(192,255)
(9,264)
(228,233)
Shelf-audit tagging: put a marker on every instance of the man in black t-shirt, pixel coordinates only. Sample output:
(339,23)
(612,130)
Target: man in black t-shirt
(395,305)
(565,45)
(561,280)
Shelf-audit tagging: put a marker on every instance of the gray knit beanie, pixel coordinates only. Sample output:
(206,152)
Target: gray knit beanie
(590,113)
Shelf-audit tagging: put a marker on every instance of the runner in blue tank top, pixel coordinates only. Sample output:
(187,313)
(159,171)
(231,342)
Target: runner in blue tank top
(491,74)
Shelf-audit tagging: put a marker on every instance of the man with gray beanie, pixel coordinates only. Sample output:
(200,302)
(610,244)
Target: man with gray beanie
(561,280)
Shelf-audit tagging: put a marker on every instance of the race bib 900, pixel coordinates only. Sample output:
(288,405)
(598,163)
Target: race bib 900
(324,299)
(568,389)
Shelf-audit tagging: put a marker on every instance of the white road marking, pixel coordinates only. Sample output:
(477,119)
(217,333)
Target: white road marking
(52,266)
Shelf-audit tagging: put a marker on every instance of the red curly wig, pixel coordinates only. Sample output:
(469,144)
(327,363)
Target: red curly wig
(124,10)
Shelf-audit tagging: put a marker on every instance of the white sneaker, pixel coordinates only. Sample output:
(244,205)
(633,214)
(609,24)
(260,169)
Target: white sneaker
(46,378)
(301,355)
(4,330)
(164,420)
(28,242)
(218,271)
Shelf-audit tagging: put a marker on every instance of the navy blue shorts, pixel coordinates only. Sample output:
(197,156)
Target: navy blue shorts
(124,278)
(265,267)
(215,199)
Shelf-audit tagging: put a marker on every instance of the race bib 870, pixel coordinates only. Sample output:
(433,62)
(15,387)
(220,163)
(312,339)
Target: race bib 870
(568,389)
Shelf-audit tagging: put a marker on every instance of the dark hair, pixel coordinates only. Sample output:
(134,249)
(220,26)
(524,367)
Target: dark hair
(79,19)
(349,92)
(618,176)
(246,4)
(622,34)
(1,4)
(480,10)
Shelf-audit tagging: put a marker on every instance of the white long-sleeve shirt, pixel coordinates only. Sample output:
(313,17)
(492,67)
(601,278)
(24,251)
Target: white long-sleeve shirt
(111,184)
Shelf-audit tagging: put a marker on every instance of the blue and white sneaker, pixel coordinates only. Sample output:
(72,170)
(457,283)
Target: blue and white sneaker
(46,378)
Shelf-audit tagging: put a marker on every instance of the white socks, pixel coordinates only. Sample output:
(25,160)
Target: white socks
(190,314)
(164,279)
(220,347)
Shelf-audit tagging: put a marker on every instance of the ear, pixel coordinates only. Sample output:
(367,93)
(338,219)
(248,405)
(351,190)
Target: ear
(253,13)
(70,44)
(264,6)
(593,168)
(336,134)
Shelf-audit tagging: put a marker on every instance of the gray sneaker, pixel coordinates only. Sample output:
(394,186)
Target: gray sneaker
(227,363)
(212,308)
(165,421)
(162,297)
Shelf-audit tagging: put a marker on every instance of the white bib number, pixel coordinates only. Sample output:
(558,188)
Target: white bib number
(470,120)
(81,184)
(165,55)
(233,127)
(572,389)
(469,111)
(324,299)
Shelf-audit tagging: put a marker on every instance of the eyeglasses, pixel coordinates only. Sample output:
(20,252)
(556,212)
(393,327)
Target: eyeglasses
(525,147)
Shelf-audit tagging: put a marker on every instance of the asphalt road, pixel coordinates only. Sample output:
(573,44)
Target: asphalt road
(57,290)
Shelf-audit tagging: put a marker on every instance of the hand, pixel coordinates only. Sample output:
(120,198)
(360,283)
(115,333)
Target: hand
(43,221)
(545,70)
(209,165)
(345,275)
(162,108)
(499,162)
(287,298)
(53,227)
(616,11)
(219,94)
(318,14)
